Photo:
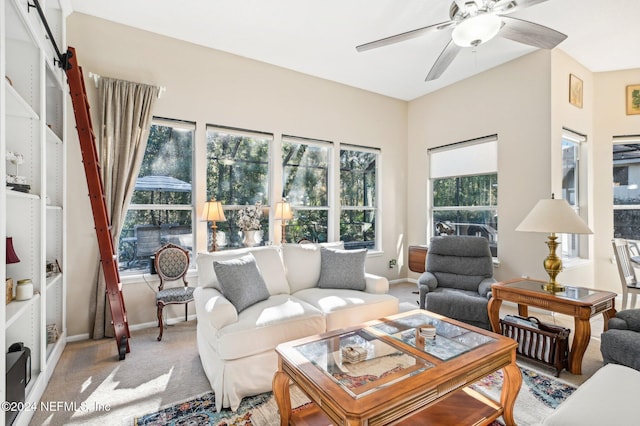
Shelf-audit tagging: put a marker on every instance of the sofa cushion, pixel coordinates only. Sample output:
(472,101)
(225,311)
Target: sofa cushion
(342,269)
(302,264)
(267,258)
(345,308)
(266,324)
(607,398)
(241,281)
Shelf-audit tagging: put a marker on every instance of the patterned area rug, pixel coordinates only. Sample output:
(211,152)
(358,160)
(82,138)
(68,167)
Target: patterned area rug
(540,395)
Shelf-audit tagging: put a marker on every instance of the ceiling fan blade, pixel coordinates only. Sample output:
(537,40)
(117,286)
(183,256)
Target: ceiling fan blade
(404,36)
(530,33)
(447,56)
(510,6)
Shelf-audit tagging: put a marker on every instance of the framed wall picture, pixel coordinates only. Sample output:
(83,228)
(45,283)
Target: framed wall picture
(633,99)
(575,91)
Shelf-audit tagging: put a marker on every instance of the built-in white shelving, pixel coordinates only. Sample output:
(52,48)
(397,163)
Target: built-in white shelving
(33,99)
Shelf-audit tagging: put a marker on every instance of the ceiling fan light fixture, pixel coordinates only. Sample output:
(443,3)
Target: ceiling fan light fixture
(476,30)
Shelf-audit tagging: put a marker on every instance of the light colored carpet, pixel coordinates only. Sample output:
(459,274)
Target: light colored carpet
(156,374)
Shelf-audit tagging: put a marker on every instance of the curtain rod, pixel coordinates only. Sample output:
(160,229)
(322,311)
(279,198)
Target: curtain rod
(96,77)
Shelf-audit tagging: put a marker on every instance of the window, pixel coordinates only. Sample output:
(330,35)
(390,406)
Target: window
(464,189)
(571,189)
(359,197)
(626,190)
(160,209)
(238,175)
(305,170)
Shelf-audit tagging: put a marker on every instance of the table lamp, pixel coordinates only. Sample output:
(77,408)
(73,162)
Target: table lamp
(553,216)
(213,212)
(11,257)
(283,212)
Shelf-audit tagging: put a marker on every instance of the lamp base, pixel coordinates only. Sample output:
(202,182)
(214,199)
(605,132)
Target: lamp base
(553,287)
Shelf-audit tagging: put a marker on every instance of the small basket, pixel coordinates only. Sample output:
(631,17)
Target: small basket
(545,343)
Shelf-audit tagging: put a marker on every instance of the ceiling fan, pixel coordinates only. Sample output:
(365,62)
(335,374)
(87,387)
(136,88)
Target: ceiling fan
(474,22)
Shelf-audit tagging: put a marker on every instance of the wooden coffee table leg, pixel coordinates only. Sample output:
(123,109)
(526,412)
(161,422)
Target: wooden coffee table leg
(581,338)
(280,386)
(510,388)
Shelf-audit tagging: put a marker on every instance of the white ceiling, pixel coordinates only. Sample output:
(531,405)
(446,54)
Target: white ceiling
(319,37)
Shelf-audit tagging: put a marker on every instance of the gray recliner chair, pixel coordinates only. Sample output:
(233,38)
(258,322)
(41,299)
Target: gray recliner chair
(458,278)
(620,344)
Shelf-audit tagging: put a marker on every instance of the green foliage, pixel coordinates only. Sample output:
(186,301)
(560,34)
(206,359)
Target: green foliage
(237,168)
(468,191)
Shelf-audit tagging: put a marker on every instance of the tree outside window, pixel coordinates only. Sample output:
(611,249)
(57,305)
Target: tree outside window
(358,197)
(305,166)
(160,209)
(238,175)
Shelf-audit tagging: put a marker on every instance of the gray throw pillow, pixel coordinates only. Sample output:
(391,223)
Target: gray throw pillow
(241,281)
(342,269)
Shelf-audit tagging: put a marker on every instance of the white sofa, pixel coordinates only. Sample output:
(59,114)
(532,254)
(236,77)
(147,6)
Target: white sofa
(237,350)
(607,398)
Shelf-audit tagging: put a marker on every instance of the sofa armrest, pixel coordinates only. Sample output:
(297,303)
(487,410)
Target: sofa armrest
(485,287)
(428,280)
(630,317)
(376,284)
(213,307)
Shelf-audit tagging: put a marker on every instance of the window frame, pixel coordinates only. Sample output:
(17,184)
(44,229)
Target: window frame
(378,194)
(124,242)
(267,225)
(573,246)
(329,169)
(460,169)
(623,140)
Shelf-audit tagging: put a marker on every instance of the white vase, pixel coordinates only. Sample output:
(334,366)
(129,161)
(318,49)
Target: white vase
(251,238)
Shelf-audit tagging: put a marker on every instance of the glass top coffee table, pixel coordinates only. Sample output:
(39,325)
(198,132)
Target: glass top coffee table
(393,370)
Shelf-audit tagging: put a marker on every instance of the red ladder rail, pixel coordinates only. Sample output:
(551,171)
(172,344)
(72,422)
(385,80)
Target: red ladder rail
(98,204)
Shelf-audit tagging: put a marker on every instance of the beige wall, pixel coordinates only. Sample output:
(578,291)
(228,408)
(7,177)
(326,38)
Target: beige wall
(208,86)
(610,119)
(524,102)
(512,101)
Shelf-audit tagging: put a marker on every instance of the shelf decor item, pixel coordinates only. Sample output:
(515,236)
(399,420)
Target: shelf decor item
(24,290)
(9,290)
(16,182)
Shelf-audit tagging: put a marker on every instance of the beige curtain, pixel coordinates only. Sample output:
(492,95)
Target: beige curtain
(125,120)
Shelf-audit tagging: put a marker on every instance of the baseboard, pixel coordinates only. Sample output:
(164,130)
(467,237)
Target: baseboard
(170,321)
(141,326)
(403,280)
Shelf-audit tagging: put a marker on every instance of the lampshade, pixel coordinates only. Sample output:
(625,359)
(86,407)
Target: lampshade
(476,30)
(12,257)
(213,211)
(553,216)
(283,211)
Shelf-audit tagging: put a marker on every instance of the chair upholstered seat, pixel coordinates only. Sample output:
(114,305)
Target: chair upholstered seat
(175,295)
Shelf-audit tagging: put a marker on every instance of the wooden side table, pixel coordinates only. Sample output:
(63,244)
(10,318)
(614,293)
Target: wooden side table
(417,258)
(579,302)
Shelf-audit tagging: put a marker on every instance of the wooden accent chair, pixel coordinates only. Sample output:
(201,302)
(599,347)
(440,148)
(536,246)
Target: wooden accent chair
(172,264)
